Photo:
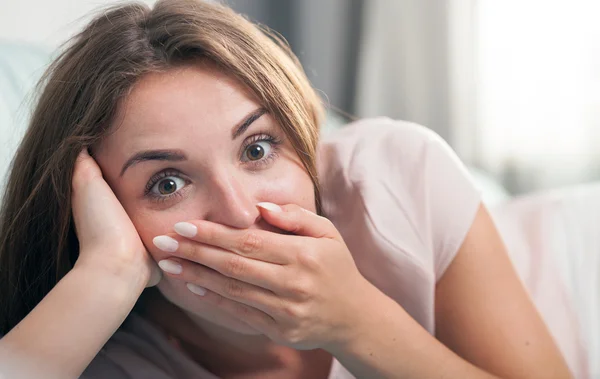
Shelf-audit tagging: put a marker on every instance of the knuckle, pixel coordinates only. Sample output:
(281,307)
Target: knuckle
(301,290)
(233,288)
(235,266)
(310,258)
(250,243)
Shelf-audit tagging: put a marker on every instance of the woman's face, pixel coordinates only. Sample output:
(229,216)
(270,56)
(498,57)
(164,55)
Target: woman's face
(191,143)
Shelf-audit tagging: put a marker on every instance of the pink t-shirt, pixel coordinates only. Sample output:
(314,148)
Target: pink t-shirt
(403,203)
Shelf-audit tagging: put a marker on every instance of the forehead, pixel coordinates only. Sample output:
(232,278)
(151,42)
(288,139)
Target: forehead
(178,102)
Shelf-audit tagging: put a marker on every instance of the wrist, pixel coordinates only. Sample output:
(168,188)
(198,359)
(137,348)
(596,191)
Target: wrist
(361,320)
(125,273)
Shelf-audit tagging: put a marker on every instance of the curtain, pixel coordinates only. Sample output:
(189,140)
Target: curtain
(403,63)
(325,36)
(539,91)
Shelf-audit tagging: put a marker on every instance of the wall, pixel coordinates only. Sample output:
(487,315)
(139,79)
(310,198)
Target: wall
(46,23)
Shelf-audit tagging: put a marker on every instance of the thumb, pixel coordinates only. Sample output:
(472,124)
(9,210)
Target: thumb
(155,273)
(297,220)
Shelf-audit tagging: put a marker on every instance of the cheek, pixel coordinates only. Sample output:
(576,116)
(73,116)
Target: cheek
(150,224)
(292,186)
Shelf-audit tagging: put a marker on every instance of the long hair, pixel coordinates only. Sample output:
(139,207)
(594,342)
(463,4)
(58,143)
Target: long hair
(77,105)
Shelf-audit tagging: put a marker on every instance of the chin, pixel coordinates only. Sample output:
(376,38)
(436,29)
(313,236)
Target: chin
(205,315)
(224,321)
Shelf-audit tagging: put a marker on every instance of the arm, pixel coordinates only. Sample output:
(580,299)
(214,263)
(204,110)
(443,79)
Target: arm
(484,319)
(64,332)
(484,314)
(62,335)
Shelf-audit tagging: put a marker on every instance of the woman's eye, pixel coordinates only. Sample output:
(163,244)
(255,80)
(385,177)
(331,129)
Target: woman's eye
(257,151)
(168,186)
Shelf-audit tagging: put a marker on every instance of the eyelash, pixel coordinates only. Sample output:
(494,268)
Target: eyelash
(157,178)
(274,142)
(262,137)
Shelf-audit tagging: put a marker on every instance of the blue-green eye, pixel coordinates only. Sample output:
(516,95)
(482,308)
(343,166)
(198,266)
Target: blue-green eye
(256,151)
(167,186)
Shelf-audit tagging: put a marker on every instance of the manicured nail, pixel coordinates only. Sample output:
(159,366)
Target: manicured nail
(170,266)
(270,207)
(196,289)
(186,229)
(166,243)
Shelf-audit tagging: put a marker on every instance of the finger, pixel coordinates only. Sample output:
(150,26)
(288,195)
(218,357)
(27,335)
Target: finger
(85,170)
(255,318)
(89,190)
(155,274)
(297,220)
(252,243)
(214,281)
(252,271)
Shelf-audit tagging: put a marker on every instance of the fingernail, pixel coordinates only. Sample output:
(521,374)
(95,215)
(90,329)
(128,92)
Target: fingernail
(166,243)
(186,229)
(270,207)
(196,289)
(170,266)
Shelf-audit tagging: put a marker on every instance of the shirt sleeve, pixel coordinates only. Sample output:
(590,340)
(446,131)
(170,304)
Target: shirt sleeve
(449,198)
(410,181)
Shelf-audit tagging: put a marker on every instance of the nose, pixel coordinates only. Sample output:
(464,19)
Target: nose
(232,203)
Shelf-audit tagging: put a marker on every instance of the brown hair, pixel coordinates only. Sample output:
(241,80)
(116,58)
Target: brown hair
(78,103)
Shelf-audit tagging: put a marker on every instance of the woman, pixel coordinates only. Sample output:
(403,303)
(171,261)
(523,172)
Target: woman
(205,170)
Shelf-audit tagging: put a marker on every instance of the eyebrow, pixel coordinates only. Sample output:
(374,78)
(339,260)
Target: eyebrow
(241,128)
(178,155)
(154,155)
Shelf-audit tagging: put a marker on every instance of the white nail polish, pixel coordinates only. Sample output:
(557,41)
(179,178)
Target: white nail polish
(186,229)
(166,243)
(270,206)
(170,266)
(196,289)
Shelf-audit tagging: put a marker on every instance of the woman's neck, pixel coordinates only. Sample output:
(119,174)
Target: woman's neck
(227,353)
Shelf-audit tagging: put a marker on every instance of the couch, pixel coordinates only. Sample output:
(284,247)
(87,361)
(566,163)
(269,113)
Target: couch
(558,230)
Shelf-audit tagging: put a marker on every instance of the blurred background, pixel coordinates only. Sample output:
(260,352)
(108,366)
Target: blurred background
(512,85)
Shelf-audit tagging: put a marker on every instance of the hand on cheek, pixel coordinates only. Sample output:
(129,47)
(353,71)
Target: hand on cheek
(299,289)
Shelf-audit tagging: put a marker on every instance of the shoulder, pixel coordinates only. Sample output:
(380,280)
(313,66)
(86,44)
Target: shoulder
(399,153)
(379,146)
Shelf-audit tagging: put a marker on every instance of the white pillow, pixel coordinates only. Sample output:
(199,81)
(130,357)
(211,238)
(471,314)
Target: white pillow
(553,239)
(21,66)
